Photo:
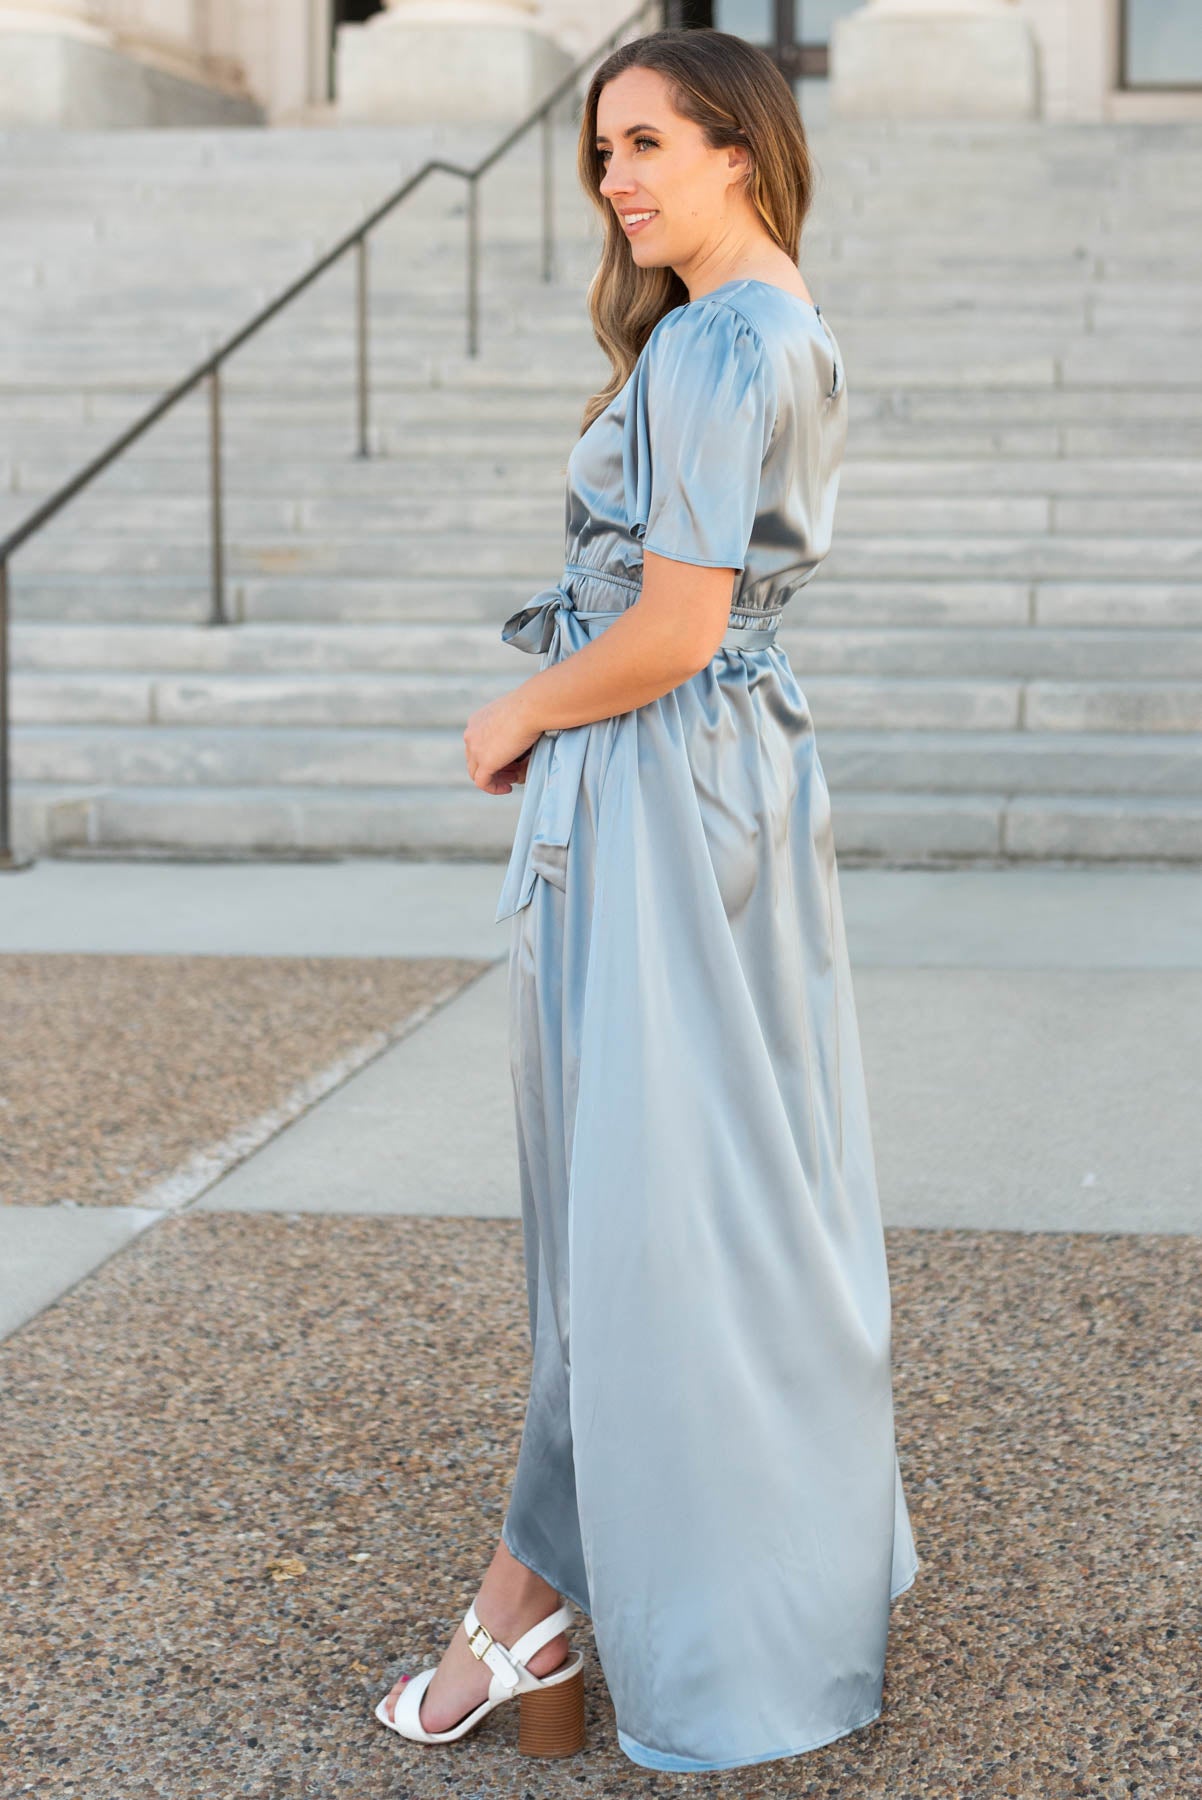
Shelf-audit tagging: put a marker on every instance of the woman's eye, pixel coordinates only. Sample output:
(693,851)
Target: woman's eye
(603,154)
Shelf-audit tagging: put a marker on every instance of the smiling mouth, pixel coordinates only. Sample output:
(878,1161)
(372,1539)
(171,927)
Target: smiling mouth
(636,221)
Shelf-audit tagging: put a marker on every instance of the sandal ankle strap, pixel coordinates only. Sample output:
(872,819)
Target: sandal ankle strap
(542,1633)
(507,1662)
(485,1647)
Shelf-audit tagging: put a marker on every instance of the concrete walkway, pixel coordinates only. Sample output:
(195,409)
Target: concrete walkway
(1032,1039)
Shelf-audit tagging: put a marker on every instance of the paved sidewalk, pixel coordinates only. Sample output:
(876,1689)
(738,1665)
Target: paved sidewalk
(260,1432)
(1032,1040)
(1046,916)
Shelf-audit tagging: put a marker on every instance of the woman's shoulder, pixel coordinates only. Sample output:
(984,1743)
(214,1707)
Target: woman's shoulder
(717,318)
(750,324)
(706,347)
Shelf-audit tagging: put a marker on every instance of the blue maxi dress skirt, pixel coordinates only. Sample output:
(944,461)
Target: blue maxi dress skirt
(708,1465)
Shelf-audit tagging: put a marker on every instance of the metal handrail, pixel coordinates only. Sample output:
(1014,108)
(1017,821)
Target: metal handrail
(210,369)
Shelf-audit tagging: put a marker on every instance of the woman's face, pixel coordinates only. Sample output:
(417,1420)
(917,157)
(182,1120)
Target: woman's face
(653,160)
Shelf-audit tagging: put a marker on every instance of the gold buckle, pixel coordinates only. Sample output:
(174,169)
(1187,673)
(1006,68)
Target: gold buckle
(480,1631)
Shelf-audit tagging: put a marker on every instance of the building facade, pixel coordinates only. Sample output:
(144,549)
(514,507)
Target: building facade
(93,63)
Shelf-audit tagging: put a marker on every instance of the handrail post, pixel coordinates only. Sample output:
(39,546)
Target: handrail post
(473,265)
(8,857)
(361,340)
(210,370)
(548,204)
(5,840)
(217,558)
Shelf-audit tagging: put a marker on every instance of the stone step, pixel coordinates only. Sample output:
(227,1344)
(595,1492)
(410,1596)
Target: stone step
(420,700)
(397,515)
(868,825)
(1101,829)
(490,597)
(1025,761)
(903,556)
(428,234)
(414,305)
(1055,556)
(457,444)
(1152,604)
(430,553)
(456,454)
(518,507)
(1023,651)
(883,756)
(1173,481)
(1003,653)
(962,377)
(525,309)
(325,474)
(490,600)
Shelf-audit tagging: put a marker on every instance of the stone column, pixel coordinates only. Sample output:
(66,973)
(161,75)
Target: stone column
(89,63)
(435,61)
(933,59)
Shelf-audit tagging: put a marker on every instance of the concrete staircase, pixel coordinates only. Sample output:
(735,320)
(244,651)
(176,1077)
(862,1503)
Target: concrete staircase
(1003,653)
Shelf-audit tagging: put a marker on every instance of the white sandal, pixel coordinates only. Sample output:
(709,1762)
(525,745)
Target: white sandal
(550,1707)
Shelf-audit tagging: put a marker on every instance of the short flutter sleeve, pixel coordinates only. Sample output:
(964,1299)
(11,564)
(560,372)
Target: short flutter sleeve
(704,410)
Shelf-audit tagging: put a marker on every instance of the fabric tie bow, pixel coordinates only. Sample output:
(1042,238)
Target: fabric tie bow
(537,625)
(551,626)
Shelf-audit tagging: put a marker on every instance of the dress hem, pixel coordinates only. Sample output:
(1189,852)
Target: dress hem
(908,1583)
(664,1759)
(647,1758)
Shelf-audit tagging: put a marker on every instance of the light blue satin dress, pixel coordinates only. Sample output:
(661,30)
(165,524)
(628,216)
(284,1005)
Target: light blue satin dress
(708,1464)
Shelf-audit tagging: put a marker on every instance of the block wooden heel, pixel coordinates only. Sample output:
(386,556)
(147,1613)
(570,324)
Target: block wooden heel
(551,1717)
(550,1709)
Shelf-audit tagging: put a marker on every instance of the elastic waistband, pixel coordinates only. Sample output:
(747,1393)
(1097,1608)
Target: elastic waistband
(584,572)
(740,635)
(736,637)
(534,627)
(750,637)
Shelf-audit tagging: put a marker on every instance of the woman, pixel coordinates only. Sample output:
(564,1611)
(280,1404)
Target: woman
(707,1464)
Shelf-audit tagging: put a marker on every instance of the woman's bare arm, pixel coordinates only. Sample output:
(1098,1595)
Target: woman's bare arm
(670,633)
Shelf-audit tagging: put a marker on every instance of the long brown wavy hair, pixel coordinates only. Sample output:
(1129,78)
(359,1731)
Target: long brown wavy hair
(737,95)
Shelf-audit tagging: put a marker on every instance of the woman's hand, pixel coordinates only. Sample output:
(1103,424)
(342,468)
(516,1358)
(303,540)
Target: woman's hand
(498,739)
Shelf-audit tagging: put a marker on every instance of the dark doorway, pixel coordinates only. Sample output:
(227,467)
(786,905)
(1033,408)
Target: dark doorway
(795,33)
(354,12)
(346,12)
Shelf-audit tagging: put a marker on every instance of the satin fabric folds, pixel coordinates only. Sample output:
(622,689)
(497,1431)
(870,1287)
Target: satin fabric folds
(708,1464)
